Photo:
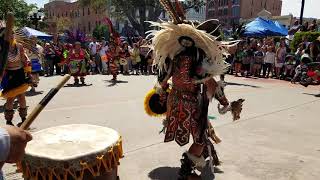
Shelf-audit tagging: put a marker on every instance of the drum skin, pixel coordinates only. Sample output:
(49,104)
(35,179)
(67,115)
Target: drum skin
(73,152)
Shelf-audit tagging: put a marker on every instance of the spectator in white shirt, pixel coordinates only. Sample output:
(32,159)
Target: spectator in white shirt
(103,55)
(94,49)
(269,61)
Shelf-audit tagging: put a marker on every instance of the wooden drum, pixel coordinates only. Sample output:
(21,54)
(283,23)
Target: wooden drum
(73,152)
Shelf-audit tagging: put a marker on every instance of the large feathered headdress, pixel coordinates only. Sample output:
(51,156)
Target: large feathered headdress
(166,44)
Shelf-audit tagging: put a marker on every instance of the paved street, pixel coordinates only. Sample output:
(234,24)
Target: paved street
(276,139)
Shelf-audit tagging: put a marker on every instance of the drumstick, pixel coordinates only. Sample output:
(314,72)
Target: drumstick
(43,103)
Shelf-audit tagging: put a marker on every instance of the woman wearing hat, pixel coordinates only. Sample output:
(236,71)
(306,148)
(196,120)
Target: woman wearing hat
(77,64)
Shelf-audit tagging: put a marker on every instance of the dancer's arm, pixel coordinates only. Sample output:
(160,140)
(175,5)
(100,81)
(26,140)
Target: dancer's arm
(216,90)
(25,59)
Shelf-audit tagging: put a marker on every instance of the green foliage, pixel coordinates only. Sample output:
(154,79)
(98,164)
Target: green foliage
(96,4)
(101,31)
(311,36)
(128,9)
(20,9)
(63,23)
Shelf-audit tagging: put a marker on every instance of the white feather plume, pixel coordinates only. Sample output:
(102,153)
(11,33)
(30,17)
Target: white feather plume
(166,45)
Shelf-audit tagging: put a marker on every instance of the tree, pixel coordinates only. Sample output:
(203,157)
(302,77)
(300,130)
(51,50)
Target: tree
(101,31)
(20,9)
(63,23)
(137,11)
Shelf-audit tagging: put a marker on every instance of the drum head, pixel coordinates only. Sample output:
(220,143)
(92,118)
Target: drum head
(71,142)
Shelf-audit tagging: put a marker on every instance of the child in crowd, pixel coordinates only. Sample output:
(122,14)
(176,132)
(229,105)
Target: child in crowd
(93,66)
(150,62)
(136,59)
(280,58)
(238,60)
(289,66)
(258,61)
(246,61)
(269,60)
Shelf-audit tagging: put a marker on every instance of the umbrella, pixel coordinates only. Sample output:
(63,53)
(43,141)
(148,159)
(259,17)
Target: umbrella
(29,32)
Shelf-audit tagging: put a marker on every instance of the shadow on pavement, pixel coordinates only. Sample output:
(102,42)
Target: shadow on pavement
(238,84)
(171,173)
(31,93)
(164,173)
(315,95)
(74,86)
(113,83)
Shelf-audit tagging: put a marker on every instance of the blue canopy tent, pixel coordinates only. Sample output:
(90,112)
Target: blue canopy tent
(29,32)
(262,28)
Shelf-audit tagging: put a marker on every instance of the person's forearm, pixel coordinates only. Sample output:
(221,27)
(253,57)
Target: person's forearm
(4,146)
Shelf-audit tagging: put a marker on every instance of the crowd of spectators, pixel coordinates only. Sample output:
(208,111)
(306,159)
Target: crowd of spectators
(134,58)
(275,57)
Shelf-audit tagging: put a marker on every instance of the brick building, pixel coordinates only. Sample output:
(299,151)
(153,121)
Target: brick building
(82,18)
(231,11)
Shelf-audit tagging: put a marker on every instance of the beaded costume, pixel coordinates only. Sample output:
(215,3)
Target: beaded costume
(188,56)
(77,64)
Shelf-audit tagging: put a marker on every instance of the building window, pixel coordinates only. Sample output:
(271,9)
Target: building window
(89,26)
(236,11)
(82,11)
(58,15)
(211,14)
(96,23)
(88,11)
(66,14)
(211,5)
(236,21)
(84,29)
(235,2)
(225,11)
